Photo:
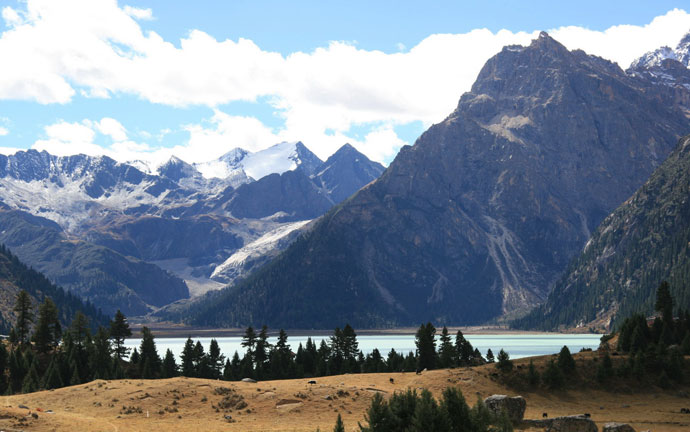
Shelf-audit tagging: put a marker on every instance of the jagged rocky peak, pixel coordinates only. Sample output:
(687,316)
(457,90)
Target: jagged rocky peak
(234,156)
(665,65)
(176,169)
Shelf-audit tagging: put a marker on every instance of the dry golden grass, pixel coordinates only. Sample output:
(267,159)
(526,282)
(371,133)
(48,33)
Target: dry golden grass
(294,405)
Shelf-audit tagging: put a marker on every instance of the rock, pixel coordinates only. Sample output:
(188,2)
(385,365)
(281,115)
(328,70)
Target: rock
(576,423)
(618,427)
(23,406)
(514,407)
(248,380)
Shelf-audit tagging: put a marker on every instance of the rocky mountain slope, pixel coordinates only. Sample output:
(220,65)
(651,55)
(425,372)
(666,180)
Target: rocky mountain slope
(105,230)
(646,240)
(479,218)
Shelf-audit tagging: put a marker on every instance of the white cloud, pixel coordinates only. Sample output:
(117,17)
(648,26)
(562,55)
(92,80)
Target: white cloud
(137,13)
(94,48)
(4,131)
(113,128)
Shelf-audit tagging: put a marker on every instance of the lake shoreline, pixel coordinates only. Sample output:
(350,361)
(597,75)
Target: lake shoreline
(166,330)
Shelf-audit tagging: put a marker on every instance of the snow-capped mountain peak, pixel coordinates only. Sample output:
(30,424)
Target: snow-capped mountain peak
(277,159)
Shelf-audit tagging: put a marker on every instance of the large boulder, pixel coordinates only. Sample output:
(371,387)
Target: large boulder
(514,407)
(576,423)
(618,427)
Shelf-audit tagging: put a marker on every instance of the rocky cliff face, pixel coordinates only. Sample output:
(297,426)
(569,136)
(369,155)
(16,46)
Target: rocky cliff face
(479,218)
(644,241)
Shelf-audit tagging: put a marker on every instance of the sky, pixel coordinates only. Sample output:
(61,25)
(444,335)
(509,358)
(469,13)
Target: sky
(147,79)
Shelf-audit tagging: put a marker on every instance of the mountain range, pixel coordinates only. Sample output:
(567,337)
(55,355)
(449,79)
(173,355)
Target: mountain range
(123,235)
(479,219)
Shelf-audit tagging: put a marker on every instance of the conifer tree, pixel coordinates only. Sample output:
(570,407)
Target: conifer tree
(566,362)
(605,369)
(119,331)
(456,410)
(25,317)
(504,363)
(48,330)
(339,426)
(378,416)
(227,371)
(31,381)
(75,379)
(215,359)
(100,358)
(532,374)
(52,378)
(425,340)
(188,366)
(553,376)
(446,351)
(249,342)
(489,356)
(149,362)
(169,369)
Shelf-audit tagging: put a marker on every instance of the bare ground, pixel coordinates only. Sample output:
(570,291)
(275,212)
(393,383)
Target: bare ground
(295,405)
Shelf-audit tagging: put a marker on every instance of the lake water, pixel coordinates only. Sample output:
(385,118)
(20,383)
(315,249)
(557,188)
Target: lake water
(517,345)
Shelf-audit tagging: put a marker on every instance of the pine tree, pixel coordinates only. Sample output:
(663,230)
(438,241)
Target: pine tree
(100,358)
(456,410)
(605,369)
(249,342)
(76,379)
(446,351)
(169,369)
(188,367)
(427,415)
(532,374)
(504,363)
(489,356)
(25,317)
(553,376)
(119,331)
(52,378)
(31,381)
(215,359)
(149,363)
(566,362)
(378,416)
(227,371)
(339,426)
(48,330)
(281,357)
(425,340)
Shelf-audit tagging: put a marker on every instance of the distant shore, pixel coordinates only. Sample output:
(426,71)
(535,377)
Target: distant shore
(170,330)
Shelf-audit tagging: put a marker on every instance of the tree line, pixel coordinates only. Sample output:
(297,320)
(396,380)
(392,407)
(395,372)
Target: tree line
(41,354)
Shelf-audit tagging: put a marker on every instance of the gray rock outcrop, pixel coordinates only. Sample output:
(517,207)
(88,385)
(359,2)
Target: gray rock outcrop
(577,423)
(514,407)
(618,427)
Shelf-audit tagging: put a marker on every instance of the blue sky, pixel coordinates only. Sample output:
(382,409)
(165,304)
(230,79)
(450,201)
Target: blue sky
(146,79)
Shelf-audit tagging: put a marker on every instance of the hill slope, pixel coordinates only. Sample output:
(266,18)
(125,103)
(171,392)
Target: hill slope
(481,215)
(646,240)
(15,276)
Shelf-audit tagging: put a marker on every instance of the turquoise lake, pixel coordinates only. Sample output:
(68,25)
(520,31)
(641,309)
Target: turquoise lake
(517,345)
